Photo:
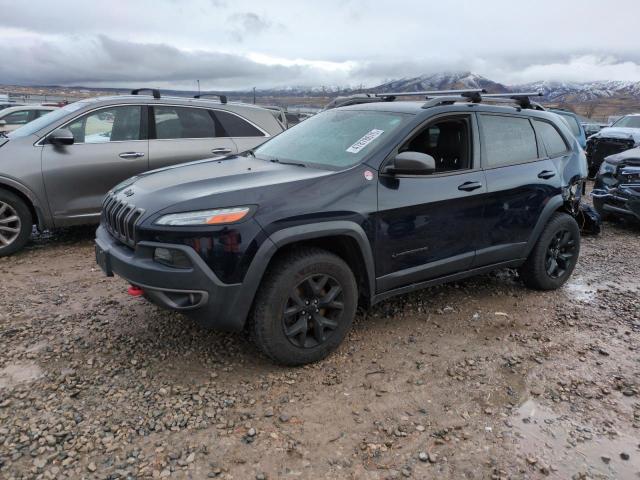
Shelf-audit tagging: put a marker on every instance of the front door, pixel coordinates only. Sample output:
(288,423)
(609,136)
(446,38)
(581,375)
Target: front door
(110,145)
(428,226)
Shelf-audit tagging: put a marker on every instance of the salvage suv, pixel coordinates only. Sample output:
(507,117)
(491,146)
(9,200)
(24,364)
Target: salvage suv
(623,135)
(354,205)
(55,171)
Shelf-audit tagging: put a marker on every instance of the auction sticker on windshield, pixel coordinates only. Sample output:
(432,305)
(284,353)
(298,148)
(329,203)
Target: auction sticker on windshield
(365,140)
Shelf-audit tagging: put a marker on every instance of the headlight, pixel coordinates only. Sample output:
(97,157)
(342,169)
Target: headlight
(606,167)
(218,216)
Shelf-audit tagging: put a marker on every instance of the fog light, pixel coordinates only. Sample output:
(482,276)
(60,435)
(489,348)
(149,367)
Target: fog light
(171,258)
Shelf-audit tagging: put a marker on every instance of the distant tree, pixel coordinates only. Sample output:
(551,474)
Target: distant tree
(590,109)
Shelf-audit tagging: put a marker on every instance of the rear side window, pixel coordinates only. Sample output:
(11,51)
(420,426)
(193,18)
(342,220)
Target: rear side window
(551,138)
(234,126)
(183,122)
(507,140)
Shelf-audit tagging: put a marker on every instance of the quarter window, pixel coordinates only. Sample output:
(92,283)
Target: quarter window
(183,122)
(234,126)
(551,138)
(507,140)
(114,124)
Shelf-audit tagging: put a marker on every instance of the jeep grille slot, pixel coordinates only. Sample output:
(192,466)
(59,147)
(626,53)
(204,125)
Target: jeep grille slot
(120,218)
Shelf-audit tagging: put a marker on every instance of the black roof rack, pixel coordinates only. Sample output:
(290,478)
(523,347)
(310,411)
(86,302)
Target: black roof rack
(430,93)
(223,98)
(154,91)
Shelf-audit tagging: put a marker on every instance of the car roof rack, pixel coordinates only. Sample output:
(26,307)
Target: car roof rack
(522,100)
(429,93)
(223,98)
(154,91)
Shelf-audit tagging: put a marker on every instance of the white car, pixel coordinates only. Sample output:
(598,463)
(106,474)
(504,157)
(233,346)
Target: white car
(15,117)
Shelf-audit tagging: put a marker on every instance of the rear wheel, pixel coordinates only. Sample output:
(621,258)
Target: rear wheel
(15,223)
(305,307)
(554,255)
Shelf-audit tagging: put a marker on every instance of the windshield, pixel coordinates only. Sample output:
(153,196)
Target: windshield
(46,120)
(333,139)
(572,122)
(631,121)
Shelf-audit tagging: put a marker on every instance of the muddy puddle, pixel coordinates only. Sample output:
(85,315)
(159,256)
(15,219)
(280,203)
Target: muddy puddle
(578,289)
(568,448)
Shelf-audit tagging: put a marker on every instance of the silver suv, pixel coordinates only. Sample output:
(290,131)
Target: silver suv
(55,171)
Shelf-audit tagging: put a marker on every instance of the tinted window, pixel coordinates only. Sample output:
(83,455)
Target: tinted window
(234,126)
(17,118)
(553,141)
(571,122)
(631,121)
(183,122)
(114,124)
(507,140)
(447,141)
(335,139)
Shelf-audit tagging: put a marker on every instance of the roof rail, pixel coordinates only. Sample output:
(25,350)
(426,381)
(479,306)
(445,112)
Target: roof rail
(223,98)
(520,98)
(154,91)
(429,93)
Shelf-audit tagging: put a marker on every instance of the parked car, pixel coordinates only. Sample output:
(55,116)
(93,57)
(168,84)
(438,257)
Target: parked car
(8,104)
(622,135)
(356,203)
(574,125)
(591,128)
(15,117)
(55,171)
(616,191)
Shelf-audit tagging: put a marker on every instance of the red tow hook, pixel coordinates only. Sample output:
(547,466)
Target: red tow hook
(135,291)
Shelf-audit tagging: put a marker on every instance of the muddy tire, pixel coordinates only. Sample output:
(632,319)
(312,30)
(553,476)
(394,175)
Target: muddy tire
(304,307)
(598,204)
(555,254)
(16,223)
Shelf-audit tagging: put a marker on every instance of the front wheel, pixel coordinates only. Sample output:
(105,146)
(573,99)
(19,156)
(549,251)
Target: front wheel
(305,307)
(15,223)
(555,254)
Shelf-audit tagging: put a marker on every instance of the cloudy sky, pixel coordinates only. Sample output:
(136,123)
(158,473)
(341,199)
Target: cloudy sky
(230,44)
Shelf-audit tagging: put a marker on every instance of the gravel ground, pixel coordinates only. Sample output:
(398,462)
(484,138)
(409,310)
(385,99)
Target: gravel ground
(477,379)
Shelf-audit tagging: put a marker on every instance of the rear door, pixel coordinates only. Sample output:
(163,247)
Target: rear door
(521,179)
(110,145)
(428,226)
(181,134)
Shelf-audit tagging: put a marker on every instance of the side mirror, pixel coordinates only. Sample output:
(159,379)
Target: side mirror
(411,163)
(61,136)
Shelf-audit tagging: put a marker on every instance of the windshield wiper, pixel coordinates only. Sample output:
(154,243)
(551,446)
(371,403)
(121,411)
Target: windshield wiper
(276,160)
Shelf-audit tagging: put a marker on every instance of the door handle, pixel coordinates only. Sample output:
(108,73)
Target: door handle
(470,186)
(131,155)
(546,174)
(221,151)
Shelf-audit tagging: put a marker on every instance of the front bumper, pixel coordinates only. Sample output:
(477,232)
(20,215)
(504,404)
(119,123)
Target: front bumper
(622,200)
(194,291)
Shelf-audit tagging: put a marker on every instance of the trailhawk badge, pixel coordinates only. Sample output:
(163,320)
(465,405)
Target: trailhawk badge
(368,174)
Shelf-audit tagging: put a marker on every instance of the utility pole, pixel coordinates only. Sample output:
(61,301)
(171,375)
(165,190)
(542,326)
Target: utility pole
(198,87)
(254,95)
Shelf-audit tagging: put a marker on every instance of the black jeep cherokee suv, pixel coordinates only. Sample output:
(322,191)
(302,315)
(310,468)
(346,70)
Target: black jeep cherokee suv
(356,204)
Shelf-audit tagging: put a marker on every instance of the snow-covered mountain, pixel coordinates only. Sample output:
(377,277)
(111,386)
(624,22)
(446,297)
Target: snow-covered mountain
(441,81)
(583,92)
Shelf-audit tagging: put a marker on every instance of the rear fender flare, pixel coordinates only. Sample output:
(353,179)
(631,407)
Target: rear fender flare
(553,205)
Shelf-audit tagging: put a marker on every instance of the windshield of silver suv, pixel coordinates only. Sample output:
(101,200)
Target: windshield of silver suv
(39,123)
(631,121)
(334,139)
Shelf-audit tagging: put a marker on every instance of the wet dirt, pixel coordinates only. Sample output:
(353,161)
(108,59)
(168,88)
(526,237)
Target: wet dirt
(476,379)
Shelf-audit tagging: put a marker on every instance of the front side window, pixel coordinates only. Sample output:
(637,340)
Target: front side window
(17,118)
(115,124)
(507,140)
(553,141)
(183,122)
(47,120)
(447,141)
(333,139)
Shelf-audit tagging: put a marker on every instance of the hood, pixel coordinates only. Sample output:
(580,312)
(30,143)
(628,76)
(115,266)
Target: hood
(619,132)
(179,186)
(631,157)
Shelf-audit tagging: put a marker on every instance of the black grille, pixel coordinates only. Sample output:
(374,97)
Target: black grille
(599,148)
(120,219)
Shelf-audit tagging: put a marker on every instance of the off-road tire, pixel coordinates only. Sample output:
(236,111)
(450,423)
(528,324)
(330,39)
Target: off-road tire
(21,210)
(267,320)
(534,271)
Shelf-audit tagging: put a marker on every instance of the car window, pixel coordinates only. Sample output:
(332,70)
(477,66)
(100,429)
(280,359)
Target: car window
(234,126)
(507,140)
(630,121)
(572,123)
(46,120)
(334,139)
(446,140)
(42,113)
(17,118)
(115,124)
(551,138)
(183,122)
